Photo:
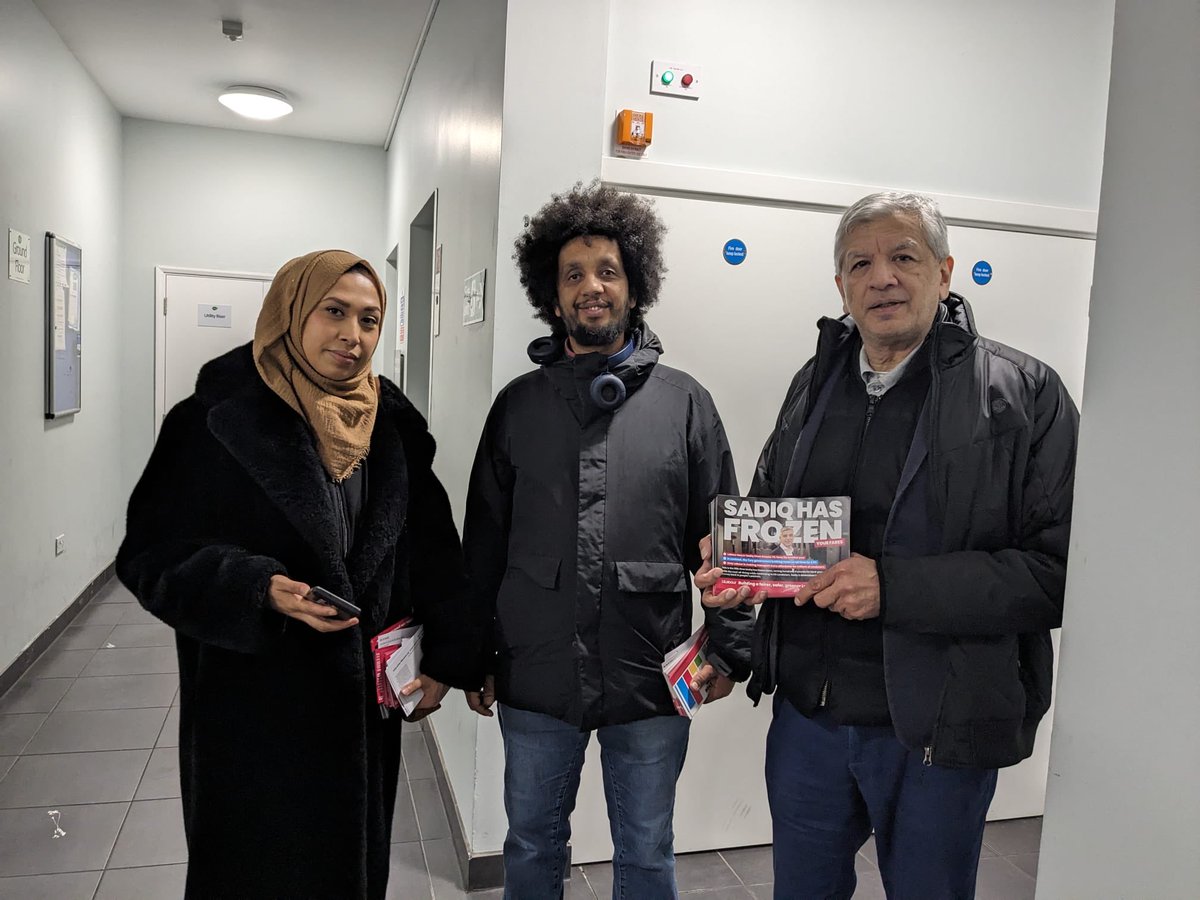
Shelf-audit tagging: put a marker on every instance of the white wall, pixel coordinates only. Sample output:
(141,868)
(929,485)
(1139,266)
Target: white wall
(210,198)
(555,130)
(1001,100)
(1123,804)
(60,171)
(448,139)
(998,111)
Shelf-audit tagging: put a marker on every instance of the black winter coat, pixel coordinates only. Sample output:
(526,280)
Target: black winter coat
(288,771)
(582,527)
(975,552)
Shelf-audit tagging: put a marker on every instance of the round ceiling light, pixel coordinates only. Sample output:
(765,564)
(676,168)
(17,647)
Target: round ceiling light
(255,102)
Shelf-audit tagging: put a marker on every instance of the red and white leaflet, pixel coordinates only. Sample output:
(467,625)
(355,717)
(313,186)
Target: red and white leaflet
(383,645)
(403,666)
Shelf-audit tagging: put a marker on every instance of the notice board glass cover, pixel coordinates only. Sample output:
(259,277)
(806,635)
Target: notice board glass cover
(64,286)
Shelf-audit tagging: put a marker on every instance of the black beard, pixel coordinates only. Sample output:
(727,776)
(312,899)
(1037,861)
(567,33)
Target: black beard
(604,336)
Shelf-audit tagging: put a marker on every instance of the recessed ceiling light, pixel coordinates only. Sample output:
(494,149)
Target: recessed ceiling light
(255,102)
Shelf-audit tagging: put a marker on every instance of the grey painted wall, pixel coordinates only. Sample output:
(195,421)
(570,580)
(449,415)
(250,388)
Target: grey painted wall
(1123,799)
(60,171)
(210,198)
(448,139)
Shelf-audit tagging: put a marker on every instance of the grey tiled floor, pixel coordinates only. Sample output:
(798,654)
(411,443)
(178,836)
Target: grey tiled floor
(91,731)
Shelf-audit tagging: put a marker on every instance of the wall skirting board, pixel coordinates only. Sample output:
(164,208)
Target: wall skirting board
(29,655)
(479,872)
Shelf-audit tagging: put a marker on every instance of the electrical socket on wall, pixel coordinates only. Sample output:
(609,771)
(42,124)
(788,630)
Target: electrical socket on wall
(60,545)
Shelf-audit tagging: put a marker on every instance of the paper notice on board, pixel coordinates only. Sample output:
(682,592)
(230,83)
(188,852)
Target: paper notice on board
(60,265)
(73,299)
(59,295)
(60,317)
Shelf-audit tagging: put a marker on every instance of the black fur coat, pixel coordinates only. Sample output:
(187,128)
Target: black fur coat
(288,771)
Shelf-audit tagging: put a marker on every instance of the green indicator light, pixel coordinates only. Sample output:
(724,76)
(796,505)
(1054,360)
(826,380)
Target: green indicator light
(668,76)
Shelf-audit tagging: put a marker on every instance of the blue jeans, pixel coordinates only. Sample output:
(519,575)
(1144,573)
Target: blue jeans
(543,758)
(829,785)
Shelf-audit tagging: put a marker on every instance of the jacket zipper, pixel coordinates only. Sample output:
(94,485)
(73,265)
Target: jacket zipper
(935,386)
(928,760)
(872,401)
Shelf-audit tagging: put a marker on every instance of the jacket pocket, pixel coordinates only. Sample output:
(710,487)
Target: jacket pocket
(541,570)
(651,605)
(1035,662)
(530,611)
(651,577)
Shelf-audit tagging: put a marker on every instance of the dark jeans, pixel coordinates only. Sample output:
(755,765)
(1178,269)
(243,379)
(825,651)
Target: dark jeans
(543,758)
(829,785)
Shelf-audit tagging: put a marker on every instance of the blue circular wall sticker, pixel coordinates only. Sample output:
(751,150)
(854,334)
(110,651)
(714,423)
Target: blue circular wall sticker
(982,273)
(735,252)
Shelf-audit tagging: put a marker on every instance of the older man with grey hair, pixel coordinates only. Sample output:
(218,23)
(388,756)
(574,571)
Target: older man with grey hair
(906,675)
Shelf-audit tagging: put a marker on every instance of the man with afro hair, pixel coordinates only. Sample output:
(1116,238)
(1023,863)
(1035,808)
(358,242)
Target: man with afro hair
(587,501)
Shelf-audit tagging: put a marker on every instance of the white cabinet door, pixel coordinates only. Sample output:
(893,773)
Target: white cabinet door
(743,331)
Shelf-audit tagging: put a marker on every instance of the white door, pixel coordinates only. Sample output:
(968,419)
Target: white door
(201,316)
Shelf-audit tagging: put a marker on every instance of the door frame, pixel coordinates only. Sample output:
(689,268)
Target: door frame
(160,325)
(435,287)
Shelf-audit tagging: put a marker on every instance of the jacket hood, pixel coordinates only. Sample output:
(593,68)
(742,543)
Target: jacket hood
(572,376)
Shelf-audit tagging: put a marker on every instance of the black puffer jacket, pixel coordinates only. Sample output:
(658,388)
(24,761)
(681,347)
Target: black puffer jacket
(582,528)
(975,551)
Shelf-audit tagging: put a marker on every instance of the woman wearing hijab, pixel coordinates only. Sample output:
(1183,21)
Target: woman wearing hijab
(293,466)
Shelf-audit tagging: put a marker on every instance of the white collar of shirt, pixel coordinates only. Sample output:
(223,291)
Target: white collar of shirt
(879,383)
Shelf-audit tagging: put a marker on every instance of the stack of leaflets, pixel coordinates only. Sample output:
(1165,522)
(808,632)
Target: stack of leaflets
(777,543)
(681,666)
(397,653)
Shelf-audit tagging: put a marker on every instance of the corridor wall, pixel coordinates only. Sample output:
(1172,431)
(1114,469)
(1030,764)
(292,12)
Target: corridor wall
(60,171)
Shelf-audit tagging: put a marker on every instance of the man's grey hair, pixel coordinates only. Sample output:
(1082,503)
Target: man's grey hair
(890,203)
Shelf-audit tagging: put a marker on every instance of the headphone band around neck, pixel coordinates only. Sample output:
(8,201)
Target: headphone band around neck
(621,355)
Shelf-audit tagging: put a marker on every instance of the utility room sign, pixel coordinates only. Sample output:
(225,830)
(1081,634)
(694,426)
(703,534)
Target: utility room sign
(18,256)
(214,316)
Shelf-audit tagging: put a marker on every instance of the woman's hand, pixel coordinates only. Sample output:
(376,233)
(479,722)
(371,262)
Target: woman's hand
(290,598)
(431,698)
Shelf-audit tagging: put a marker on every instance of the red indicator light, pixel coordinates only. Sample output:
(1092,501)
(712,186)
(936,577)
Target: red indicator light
(687,80)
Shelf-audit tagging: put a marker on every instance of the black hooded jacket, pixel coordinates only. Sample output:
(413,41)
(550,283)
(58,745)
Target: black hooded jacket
(974,562)
(581,532)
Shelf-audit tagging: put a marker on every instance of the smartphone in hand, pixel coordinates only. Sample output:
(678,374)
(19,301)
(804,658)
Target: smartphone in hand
(345,609)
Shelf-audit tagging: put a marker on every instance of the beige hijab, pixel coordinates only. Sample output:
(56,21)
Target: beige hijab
(341,414)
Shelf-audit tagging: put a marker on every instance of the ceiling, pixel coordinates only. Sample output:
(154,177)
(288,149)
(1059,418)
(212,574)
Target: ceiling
(342,64)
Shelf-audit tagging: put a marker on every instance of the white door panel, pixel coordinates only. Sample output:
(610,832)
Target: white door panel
(185,343)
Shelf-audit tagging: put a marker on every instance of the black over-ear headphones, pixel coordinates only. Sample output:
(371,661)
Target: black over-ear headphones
(607,390)
(545,350)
